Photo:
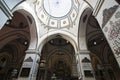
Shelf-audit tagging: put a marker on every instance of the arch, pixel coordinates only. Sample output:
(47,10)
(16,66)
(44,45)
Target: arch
(12,35)
(82,28)
(52,53)
(65,35)
(28,13)
(55,50)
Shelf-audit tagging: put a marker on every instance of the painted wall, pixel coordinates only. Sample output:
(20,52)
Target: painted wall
(112,33)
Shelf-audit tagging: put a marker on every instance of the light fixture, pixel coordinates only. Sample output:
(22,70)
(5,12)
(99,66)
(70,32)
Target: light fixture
(95,42)
(8,22)
(67,41)
(42,63)
(25,42)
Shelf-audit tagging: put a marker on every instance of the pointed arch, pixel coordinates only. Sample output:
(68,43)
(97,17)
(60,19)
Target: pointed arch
(82,28)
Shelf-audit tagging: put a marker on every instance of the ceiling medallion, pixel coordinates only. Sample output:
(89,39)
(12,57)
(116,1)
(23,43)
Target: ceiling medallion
(57,8)
(57,13)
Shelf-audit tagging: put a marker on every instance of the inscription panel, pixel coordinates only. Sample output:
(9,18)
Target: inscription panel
(112,33)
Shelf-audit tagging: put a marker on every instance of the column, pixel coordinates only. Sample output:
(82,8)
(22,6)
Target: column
(75,70)
(85,66)
(30,65)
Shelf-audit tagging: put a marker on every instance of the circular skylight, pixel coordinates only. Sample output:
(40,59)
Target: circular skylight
(57,8)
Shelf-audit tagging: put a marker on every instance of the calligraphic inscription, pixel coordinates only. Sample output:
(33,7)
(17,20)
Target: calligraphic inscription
(107,13)
(114,30)
(112,33)
(114,36)
(117,15)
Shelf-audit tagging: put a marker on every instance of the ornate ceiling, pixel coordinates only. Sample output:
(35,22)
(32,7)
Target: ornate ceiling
(57,13)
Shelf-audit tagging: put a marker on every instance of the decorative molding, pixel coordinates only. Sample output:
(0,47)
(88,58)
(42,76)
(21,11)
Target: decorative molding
(86,60)
(52,22)
(107,14)
(32,51)
(88,3)
(5,9)
(29,60)
(97,7)
(84,52)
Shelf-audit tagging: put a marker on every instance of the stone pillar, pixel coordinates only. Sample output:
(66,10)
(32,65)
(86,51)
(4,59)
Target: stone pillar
(85,66)
(30,65)
(74,69)
(80,75)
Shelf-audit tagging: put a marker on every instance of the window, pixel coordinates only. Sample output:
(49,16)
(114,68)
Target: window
(88,73)
(25,72)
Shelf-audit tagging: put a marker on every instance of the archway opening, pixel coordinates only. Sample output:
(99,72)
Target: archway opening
(14,40)
(103,60)
(58,61)
(91,38)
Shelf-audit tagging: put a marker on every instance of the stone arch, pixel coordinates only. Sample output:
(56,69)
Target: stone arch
(100,49)
(65,35)
(68,56)
(50,52)
(27,12)
(82,28)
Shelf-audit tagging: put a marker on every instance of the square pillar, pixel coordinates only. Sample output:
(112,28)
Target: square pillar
(85,66)
(30,66)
